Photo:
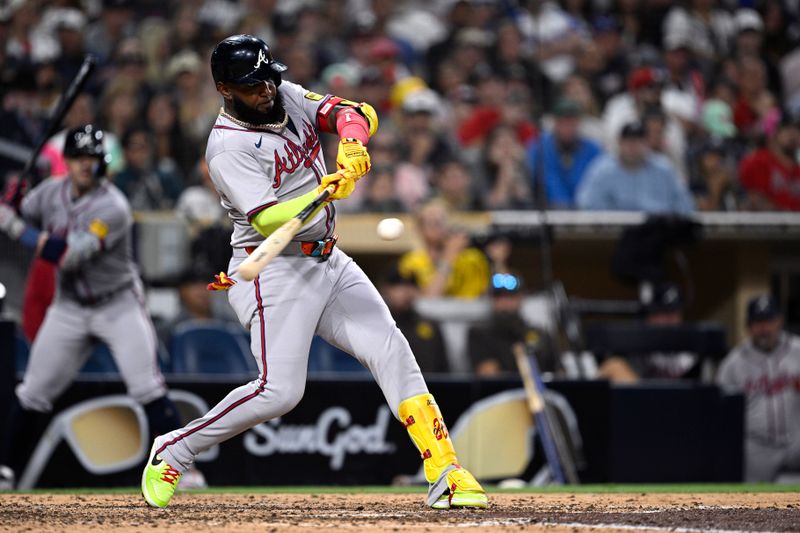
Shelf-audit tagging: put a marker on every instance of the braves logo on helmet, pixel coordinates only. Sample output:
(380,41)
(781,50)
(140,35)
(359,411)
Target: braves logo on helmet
(262,58)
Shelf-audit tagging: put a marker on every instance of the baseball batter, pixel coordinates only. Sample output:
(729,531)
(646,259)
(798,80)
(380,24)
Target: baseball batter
(265,160)
(86,224)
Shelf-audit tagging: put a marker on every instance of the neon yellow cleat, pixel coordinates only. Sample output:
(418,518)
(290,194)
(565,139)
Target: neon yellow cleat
(463,490)
(159,480)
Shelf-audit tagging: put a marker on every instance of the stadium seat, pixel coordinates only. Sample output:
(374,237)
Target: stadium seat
(326,358)
(210,347)
(100,361)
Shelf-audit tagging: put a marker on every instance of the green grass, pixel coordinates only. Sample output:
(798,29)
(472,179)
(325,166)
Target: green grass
(579,489)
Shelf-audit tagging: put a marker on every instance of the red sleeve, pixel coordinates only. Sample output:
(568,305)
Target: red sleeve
(349,124)
(478,125)
(754,173)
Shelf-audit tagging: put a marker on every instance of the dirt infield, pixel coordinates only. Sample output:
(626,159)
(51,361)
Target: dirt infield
(402,512)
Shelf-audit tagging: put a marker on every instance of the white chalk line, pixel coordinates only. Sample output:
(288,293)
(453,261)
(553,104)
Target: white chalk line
(627,527)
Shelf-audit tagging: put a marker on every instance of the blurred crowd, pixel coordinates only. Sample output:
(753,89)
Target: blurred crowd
(484,104)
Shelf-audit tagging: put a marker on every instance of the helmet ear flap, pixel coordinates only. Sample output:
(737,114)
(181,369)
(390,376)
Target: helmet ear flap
(101,166)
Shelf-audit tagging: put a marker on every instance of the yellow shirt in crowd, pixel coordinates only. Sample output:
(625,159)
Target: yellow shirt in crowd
(468,278)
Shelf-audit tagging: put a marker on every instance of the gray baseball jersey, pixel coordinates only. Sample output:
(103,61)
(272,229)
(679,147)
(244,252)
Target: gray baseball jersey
(295,296)
(103,212)
(771,384)
(255,169)
(99,297)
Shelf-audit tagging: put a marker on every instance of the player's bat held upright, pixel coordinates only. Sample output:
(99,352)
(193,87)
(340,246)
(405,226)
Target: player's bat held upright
(280,238)
(539,411)
(64,105)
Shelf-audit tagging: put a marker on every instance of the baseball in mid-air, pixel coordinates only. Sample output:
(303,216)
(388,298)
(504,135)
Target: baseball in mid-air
(390,229)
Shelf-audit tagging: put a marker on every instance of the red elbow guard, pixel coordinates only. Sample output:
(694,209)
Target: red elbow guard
(351,125)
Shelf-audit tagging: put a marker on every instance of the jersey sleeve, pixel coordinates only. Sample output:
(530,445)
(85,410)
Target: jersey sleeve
(33,203)
(312,104)
(243,181)
(111,223)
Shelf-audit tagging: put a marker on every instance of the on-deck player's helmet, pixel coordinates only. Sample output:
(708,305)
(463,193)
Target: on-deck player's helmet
(86,140)
(244,59)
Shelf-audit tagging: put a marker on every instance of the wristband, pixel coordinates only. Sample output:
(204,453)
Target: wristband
(53,249)
(29,237)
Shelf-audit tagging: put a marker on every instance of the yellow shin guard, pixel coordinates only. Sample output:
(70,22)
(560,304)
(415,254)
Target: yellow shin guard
(450,484)
(425,425)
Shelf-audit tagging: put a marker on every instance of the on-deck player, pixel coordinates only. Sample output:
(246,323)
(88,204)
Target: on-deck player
(265,160)
(87,233)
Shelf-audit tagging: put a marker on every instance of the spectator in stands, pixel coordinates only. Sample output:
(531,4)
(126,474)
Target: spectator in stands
(380,195)
(771,175)
(610,78)
(146,186)
(424,336)
(645,95)
(119,107)
(446,264)
(756,111)
(422,146)
(663,306)
(706,27)
(491,344)
(113,25)
(505,179)
(749,42)
(554,35)
(715,184)
(172,148)
(634,180)
(454,186)
(499,102)
(766,368)
(566,156)
(577,89)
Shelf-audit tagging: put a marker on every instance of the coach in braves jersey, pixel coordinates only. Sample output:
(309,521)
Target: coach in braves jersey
(766,368)
(265,161)
(82,224)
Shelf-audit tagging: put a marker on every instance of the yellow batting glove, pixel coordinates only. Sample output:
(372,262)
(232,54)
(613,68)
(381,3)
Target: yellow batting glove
(344,182)
(221,282)
(353,157)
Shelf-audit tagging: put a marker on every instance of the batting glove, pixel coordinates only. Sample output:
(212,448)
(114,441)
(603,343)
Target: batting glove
(14,191)
(353,157)
(343,181)
(221,283)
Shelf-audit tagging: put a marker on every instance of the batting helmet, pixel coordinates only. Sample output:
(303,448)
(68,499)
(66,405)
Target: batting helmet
(244,59)
(86,141)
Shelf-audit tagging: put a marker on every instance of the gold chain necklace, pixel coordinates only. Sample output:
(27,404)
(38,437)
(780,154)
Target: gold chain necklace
(277,126)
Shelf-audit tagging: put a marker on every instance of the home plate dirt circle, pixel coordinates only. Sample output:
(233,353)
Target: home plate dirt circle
(402,512)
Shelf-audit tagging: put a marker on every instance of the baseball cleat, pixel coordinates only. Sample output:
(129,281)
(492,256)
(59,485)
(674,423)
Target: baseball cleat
(463,490)
(159,480)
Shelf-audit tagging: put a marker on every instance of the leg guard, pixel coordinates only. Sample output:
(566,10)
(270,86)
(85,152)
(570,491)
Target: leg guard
(450,484)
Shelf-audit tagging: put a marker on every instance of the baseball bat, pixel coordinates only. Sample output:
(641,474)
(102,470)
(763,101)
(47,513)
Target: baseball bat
(563,449)
(539,410)
(280,238)
(64,106)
